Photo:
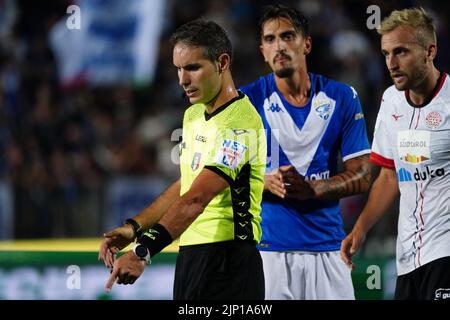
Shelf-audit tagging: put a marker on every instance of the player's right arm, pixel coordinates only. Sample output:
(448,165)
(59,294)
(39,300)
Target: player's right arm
(118,238)
(384,191)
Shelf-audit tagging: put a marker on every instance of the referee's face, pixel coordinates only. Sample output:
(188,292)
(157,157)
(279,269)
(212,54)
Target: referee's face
(199,76)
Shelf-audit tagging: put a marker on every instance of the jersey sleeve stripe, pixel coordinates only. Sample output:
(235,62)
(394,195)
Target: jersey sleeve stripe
(220,173)
(382,161)
(356,154)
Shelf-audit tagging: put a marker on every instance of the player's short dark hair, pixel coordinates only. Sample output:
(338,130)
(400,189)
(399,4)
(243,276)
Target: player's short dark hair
(206,34)
(298,20)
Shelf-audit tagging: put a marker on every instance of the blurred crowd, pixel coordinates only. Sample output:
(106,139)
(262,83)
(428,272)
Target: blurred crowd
(60,147)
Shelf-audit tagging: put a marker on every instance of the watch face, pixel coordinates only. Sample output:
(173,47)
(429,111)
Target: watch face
(141,251)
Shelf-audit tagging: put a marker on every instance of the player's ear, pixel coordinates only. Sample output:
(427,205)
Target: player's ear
(431,52)
(224,62)
(308,45)
(261,48)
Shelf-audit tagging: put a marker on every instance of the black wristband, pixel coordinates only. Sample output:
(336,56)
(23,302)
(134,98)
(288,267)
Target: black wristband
(137,229)
(155,239)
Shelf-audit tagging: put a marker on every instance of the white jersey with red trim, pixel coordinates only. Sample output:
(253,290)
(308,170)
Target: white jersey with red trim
(415,141)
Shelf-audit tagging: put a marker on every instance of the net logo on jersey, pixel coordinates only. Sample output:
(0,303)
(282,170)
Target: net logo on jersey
(231,153)
(413,146)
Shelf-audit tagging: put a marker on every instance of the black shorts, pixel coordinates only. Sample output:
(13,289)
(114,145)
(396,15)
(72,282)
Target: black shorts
(219,271)
(428,282)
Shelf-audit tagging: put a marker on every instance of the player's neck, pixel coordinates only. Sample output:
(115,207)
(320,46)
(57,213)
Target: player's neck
(423,92)
(296,88)
(227,92)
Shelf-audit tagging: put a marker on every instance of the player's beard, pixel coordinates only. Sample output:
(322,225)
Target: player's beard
(412,81)
(415,77)
(284,72)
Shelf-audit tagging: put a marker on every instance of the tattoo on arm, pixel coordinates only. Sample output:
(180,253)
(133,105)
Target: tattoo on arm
(354,180)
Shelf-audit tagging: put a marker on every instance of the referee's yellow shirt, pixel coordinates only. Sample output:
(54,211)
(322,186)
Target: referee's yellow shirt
(231,142)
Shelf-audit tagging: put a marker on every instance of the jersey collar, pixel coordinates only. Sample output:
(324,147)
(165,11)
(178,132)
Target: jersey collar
(436,90)
(223,107)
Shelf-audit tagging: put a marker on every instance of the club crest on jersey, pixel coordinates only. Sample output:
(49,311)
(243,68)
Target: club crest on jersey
(196,161)
(323,108)
(433,120)
(230,154)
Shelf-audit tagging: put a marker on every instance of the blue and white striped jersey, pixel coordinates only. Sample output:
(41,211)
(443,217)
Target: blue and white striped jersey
(310,138)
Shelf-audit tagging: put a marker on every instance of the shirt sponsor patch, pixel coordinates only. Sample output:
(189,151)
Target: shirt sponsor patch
(230,154)
(413,146)
(359,116)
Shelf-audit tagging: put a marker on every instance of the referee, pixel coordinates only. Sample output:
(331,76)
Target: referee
(215,207)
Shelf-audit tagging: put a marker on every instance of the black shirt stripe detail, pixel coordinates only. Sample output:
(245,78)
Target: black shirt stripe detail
(223,107)
(240,196)
(412,118)
(220,173)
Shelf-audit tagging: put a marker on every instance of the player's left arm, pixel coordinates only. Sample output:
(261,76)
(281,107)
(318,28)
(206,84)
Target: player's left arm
(355,179)
(185,210)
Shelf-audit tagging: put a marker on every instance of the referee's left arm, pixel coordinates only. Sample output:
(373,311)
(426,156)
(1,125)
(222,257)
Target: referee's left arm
(185,210)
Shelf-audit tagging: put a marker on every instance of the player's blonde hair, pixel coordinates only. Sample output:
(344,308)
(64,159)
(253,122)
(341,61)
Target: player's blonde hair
(416,18)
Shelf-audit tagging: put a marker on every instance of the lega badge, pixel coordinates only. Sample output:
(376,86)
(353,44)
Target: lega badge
(196,161)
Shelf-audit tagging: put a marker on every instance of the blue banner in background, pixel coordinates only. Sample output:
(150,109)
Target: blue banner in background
(117,42)
(126,197)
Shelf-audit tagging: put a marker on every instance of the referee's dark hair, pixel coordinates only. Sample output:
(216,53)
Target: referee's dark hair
(297,19)
(206,34)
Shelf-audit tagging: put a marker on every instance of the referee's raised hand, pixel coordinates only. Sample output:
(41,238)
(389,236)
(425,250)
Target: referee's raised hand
(114,241)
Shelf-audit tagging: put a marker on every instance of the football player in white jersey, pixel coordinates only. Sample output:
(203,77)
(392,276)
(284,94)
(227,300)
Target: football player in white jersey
(412,146)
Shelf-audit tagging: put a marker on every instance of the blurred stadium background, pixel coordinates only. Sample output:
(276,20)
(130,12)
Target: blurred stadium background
(88,121)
